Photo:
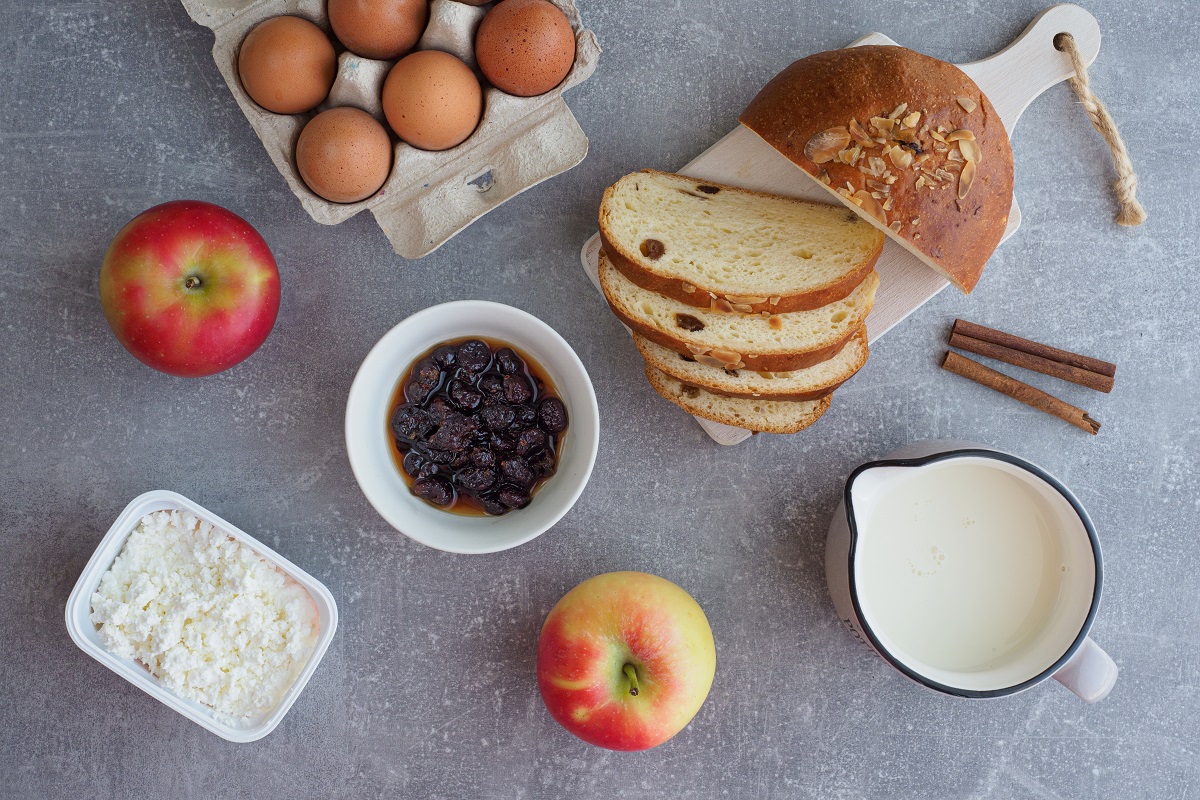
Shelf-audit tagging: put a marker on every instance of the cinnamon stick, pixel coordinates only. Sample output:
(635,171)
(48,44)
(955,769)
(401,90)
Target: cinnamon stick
(961,326)
(1025,360)
(1030,396)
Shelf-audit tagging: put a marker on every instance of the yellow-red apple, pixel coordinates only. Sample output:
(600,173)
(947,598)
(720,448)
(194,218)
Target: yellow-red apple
(189,288)
(625,660)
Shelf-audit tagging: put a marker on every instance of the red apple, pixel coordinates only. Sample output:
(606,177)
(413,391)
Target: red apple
(625,660)
(189,288)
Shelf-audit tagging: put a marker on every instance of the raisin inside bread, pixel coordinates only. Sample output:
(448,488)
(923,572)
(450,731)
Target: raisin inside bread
(811,383)
(775,342)
(710,245)
(750,413)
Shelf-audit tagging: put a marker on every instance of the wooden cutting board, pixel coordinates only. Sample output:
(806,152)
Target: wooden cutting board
(1011,79)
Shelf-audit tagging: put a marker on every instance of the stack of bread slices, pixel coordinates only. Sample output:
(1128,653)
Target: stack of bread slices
(749,309)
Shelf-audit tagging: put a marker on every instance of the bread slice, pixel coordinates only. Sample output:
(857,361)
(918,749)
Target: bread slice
(906,140)
(752,414)
(804,384)
(709,245)
(776,343)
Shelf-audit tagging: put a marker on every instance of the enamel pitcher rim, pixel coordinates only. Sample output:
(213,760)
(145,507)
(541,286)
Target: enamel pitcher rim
(946,455)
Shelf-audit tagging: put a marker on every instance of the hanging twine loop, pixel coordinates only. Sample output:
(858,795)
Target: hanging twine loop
(1125,186)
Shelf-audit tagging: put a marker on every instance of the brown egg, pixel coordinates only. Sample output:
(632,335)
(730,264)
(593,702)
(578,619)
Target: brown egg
(525,47)
(344,155)
(432,100)
(382,29)
(287,65)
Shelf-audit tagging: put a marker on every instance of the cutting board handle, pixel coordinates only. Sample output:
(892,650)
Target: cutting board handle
(1032,64)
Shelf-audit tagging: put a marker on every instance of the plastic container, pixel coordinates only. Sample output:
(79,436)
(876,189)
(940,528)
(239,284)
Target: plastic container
(84,633)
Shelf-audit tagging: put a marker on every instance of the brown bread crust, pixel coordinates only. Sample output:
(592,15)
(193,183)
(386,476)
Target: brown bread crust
(703,296)
(656,382)
(815,394)
(826,90)
(775,362)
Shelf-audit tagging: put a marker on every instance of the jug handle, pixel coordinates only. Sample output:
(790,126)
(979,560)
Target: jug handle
(1090,673)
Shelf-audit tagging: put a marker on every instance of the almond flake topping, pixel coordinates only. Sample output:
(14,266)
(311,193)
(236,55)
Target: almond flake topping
(895,226)
(961,133)
(966,179)
(870,205)
(967,103)
(900,157)
(970,150)
(859,135)
(825,146)
(898,110)
(912,119)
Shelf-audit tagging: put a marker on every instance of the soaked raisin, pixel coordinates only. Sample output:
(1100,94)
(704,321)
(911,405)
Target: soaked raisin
(543,464)
(444,355)
(491,385)
(455,433)
(493,507)
(483,458)
(524,416)
(529,441)
(517,389)
(410,423)
(516,471)
(435,490)
(438,409)
(552,415)
(513,497)
(476,480)
(474,356)
(507,361)
(497,418)
(417,466)
(464,396)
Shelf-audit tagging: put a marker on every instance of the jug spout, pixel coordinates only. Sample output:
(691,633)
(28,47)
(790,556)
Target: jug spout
(868,487)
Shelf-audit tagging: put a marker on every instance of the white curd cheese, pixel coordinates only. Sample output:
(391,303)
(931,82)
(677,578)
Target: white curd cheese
(209,617)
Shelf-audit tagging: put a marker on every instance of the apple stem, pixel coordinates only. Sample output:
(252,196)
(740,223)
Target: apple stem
(631,673)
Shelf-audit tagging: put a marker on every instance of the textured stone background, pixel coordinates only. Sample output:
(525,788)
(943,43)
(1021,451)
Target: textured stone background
(428,689)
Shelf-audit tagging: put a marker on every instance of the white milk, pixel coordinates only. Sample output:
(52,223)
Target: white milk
(960,568)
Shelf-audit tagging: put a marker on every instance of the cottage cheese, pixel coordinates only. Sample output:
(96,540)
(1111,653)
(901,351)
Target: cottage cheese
(209,617)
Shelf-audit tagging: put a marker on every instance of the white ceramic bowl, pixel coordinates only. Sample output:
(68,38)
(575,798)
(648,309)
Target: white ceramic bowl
(368,438)
(83,631)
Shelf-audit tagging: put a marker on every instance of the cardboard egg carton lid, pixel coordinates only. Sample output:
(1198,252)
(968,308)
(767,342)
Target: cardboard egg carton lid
(429,196)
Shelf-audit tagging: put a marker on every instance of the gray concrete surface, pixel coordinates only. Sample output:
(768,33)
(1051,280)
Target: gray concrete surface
(428,689)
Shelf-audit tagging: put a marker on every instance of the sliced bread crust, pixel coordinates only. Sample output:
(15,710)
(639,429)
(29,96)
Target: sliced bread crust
(714,246)
(812,383)
(774,343)
(753,414)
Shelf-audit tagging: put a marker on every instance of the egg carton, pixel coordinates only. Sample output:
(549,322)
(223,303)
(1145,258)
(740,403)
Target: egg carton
(429,196)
